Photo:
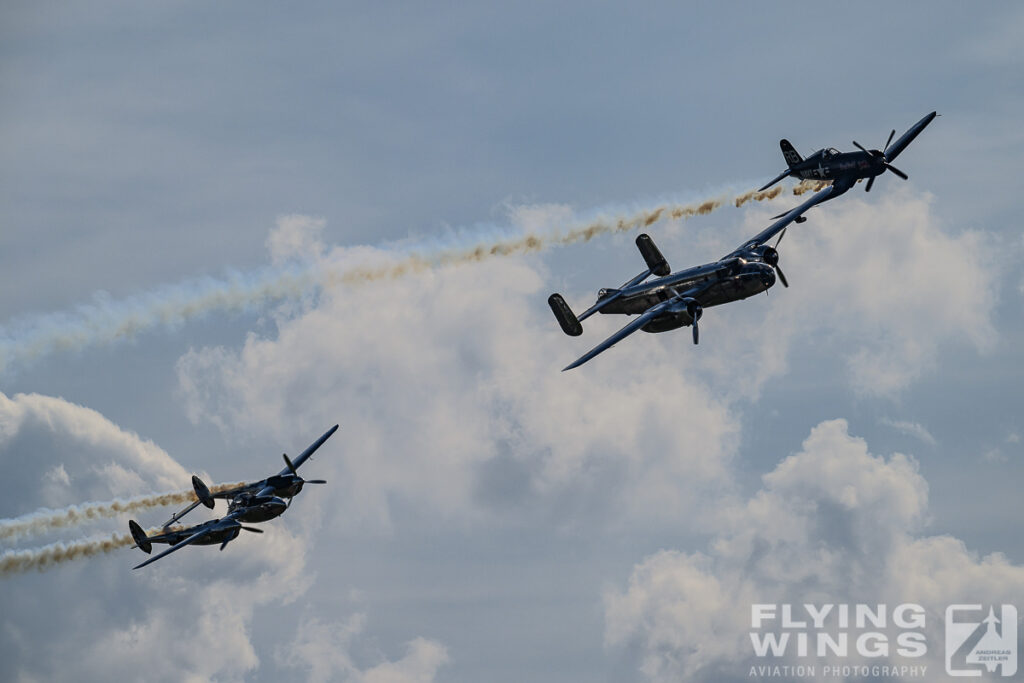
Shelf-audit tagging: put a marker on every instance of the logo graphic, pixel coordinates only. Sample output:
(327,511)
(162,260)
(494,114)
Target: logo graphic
(975,642)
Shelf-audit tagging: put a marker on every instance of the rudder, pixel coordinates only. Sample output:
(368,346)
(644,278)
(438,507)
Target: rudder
(789,153)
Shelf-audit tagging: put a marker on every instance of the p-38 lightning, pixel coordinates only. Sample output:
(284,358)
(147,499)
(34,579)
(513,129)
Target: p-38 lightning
(678,299)
(250,503)
(844,169)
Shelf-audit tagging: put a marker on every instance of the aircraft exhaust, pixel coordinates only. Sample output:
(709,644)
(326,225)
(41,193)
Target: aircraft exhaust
(44,520)
(106,321)
(49,556)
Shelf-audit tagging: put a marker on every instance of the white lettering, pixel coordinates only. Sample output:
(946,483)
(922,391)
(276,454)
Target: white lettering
(769,641)
(911,645)
(915,619)
(839,647)
(787,618)
(864,648)
(818,616)
(759,613)
(864,614)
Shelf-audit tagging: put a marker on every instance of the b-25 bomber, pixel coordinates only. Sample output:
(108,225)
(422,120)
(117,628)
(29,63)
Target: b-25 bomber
(678,299)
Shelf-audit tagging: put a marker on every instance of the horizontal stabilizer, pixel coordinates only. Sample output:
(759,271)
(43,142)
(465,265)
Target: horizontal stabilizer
(566,318)
(773,180)
(652,255)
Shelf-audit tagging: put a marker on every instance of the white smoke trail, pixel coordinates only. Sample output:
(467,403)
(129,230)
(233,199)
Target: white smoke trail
(43,521)
(48,556)
(106,321)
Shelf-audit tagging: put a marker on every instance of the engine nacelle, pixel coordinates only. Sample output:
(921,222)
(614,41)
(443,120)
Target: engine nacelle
(693,309)
(202,492)
(770,256)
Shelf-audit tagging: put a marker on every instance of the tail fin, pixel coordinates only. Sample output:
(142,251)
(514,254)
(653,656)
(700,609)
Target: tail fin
(139,536)
(566,318)
(652,255)
(789,152)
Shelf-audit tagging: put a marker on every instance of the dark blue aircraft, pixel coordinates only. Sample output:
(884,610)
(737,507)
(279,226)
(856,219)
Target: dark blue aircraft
(674,300)
(254,502)
(844,169)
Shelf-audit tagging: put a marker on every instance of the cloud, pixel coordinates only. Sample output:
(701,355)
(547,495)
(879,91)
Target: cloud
(189,617)
(879,288)
(831,524)
(449,394)
(59,453)
(914,429)
(296,237)
(324,650)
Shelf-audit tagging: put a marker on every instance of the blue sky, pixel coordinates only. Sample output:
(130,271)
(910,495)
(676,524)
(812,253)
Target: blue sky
(488,517)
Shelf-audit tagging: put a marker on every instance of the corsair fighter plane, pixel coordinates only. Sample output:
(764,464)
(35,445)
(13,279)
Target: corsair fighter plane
(844,169)
(674,300)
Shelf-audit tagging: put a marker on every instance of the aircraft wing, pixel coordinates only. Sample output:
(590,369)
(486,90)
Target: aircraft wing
(226,494)
(894,150)
(634,325)
(304,456)
(178,515)
(220,524)
(783,222)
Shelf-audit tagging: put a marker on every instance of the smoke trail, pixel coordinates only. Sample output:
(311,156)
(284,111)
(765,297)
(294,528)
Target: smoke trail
(759,195)
(810,186)
(48,556)
(106,321)
(42,521)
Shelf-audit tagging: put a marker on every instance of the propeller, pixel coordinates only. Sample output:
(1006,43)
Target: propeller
(771,257)
(253,529)
(694,310)
(885,160)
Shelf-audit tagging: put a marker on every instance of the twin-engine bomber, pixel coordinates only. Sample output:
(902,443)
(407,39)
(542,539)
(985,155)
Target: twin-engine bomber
(250,503)
(675,300)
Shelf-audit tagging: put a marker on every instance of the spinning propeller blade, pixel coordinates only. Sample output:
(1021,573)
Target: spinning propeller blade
(897,171)
(782,276)
(871,181)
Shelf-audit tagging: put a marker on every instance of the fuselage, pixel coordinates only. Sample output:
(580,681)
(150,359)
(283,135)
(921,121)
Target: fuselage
(721,282)
(257,508)
(831,164)
(175,536)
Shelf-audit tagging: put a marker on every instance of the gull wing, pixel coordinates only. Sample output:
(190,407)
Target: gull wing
(785,220)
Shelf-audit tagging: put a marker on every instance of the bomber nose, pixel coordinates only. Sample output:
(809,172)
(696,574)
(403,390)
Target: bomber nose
(768,277)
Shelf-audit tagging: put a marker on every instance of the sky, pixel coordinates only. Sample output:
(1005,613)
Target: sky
(854,438)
